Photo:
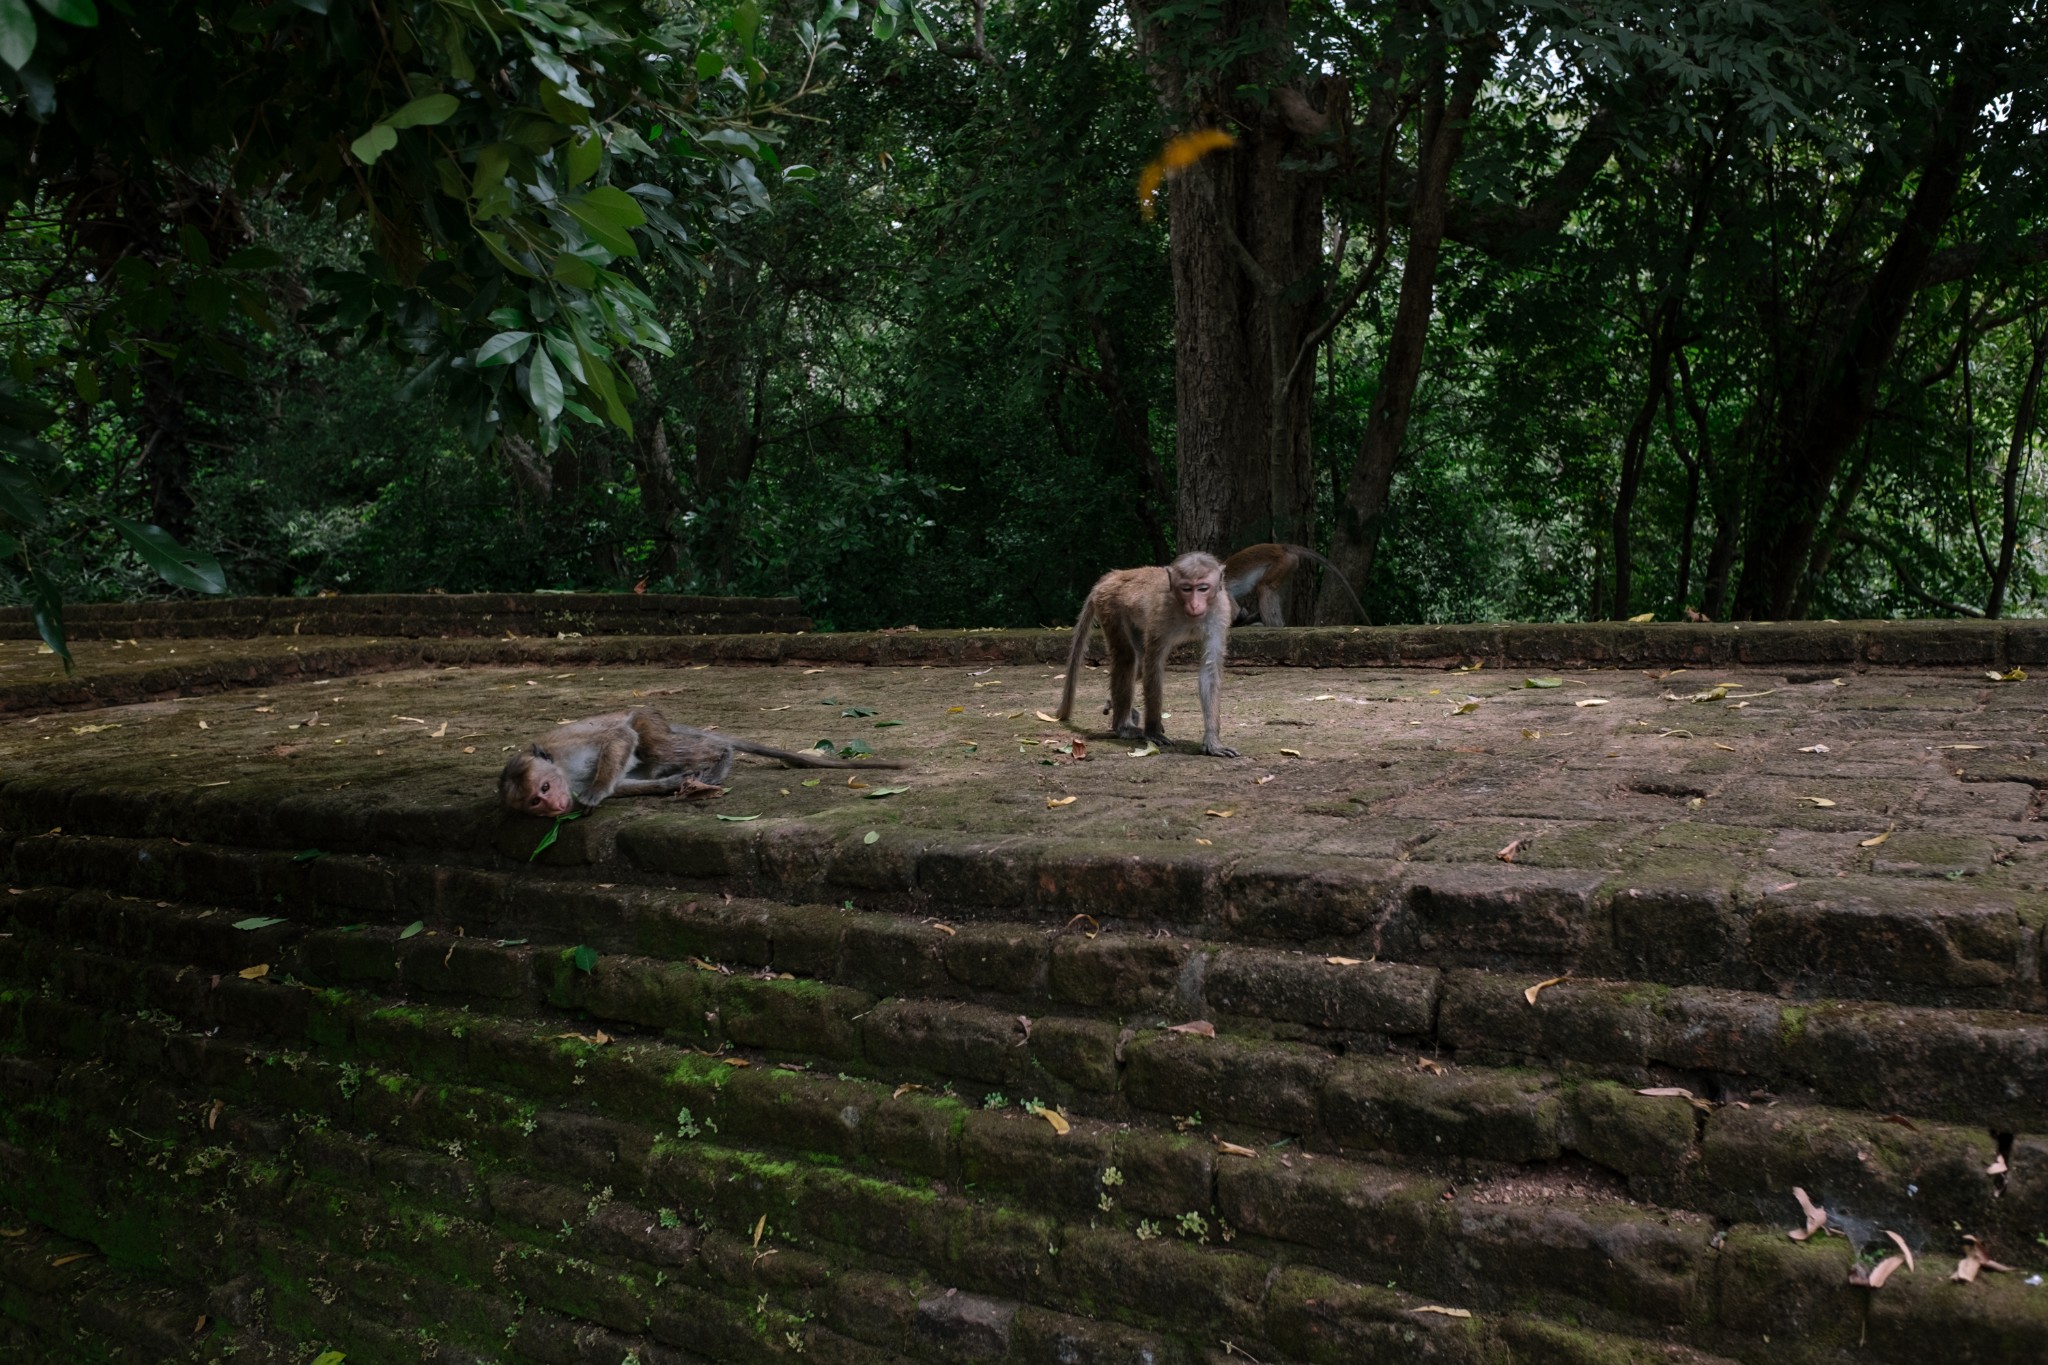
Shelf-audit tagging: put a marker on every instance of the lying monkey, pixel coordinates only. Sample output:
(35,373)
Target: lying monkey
(1145,613)
(1256,573)
(632,753)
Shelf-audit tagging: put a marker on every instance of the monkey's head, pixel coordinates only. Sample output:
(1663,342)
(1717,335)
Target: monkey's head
(1197,581)
(534,784)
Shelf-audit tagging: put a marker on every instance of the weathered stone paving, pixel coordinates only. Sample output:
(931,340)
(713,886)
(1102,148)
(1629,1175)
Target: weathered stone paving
(769,1076)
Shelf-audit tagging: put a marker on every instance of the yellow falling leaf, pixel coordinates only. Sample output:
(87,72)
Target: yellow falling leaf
(759,1228)
(1874,840)
(1057,1120)
(1466,707)
(955,710)
(261,969)
(1049,720)
(1054,802)
(1175,157)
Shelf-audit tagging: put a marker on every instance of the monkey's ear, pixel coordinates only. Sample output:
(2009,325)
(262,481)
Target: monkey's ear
(541,754)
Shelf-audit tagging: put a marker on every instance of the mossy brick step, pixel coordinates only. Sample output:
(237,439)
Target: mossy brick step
(1737,1159)
(964,984)
(1686,916)
(491,1208)
(416,614)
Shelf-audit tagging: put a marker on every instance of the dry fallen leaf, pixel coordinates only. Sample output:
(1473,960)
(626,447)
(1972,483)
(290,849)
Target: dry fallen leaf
(436,733)
(1051,802)
(1646,616)
(1590,701)
(1232,1149)
(1447,1312)
(1057,1120)
(1814,749)
(1816,800)
(1434,1068)
(1530,994)
(68,1259)
(1816,1217)
(1729,747)
(1874,1276)
(1049,720)
(261,969)
(1904,1250)
(1262,781)
(1974,1260)
(1507,855)
(759,1228)
(1221,814)
(1874,840)
(1532,734)
(1206,843)
(213,1114)
(1667,1091)
(736,1061)
(1200,1027)
(1997,1166)
(1292,753)
(1343,961)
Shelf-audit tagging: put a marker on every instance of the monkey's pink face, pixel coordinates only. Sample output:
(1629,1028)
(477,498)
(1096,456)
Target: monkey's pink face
(534,787)
(1196,594)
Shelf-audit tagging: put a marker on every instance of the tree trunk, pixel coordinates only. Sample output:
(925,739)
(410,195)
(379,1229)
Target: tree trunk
(661,497)
(2009,488)
(1247,255)
(1359,515)
(1821,409)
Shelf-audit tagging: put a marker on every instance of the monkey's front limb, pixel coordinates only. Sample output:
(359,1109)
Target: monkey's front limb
(1211,687)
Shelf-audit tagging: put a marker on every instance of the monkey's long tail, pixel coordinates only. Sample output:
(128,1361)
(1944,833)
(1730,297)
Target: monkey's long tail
(794,760)
(1080,647)
(1342,581)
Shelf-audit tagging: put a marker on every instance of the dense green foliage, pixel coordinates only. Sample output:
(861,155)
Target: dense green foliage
(930,376)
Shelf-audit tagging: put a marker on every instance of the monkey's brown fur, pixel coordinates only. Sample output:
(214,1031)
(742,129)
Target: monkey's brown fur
(1255,575)
(632,753)
(1145,613)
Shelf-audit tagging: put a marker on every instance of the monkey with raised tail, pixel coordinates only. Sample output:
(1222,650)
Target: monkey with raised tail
(632,753)
(1144,614)
(1255,575)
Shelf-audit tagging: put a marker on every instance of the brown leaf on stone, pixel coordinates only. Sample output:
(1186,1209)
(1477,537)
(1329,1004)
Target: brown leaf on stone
(68,1258)
(1057,1120)
(1816,1217)
(1507,855)
(1531,994)
(904,1089)
(13,1232)
(1342,961)
(200,1326)
(1434,1068)
(1094,925)
(759,1228)
(736,1061)
(1874,1276)
(213,1114)
(1904,1250)
(260,970)
(1667,1092)
(1232,1149)
(1974,1260)
(948,930)
(1874,840)
(1902,1121)
(1202,1027)
(1997,1166)
(1447,1312)
(1024,1023)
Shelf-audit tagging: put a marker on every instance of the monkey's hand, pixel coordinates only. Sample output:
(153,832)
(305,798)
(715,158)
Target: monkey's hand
(1218,749)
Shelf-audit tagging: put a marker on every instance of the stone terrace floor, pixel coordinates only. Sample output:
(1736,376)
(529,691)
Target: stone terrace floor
(1881,777)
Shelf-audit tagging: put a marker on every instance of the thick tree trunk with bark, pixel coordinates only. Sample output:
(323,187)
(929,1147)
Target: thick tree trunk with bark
(1247,256)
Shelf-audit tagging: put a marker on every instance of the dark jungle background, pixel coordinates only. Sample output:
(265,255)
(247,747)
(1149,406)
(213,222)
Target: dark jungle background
(1533,311)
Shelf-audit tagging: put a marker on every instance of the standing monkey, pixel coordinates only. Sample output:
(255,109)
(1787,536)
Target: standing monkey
(631,753)
(1145,613)
(1257,572)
